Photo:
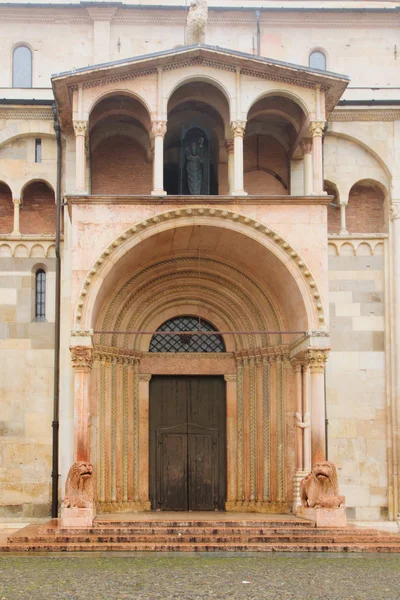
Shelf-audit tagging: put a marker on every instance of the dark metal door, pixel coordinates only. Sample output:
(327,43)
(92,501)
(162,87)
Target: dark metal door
(187,466)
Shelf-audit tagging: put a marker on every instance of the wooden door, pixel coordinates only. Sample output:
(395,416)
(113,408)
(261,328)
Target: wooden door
(187,466)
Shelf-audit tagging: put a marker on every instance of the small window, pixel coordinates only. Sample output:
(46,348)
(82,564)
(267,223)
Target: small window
(22,67)
(317,60)
(40,295)
(38,150)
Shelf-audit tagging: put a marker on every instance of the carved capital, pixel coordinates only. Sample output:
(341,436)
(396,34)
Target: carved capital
(230,378)
(81,357)
(158,128)
(80,127)
(395,211)
(238,128)
(306,146)
(316,128)
(316,359)
(144,377)
(229,145)
(17,201)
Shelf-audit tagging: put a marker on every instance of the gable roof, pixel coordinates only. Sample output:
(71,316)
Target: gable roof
(256,66)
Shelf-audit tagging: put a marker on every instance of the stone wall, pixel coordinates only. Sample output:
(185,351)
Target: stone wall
(26,388)
(356,374)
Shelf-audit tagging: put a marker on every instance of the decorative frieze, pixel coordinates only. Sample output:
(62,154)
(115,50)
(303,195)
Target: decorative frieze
(116,355)
(198,61)
(364,115)
(27,115)
(81,357)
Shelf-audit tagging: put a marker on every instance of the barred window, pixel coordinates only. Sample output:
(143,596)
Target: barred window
(317,60)
(22,67)
(186,341)
(40,295)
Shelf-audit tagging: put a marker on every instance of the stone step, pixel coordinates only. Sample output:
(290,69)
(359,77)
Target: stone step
(243,538)
(203,547)
(205,523)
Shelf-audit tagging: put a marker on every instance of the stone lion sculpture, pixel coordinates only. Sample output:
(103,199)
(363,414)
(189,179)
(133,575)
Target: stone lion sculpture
(79,487)
(196,22)
(320,488)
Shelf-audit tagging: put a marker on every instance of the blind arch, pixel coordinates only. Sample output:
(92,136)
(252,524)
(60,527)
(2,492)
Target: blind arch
(22,67)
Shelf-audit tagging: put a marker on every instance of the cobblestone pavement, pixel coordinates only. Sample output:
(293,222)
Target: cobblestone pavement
(270,577)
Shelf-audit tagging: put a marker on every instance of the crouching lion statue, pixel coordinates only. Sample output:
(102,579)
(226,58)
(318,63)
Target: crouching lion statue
(79,487)
(196,22)
(320,488)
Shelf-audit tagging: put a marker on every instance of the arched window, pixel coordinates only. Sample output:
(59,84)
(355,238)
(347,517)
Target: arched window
(22,67)
(40,295)
(317,60)
(185,341)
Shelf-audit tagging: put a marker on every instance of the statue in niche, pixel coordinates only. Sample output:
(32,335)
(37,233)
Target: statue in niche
(194,166)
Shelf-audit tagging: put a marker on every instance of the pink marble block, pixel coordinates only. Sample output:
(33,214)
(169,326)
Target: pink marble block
(77,517)
(324,517)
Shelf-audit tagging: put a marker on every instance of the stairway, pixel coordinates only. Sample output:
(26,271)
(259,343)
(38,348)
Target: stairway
(207,535)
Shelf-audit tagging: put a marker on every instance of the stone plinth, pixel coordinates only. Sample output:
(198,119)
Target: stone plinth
(77,517)
(324,517)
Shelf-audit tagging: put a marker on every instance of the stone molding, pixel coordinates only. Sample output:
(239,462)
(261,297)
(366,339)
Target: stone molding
(198,61)
(159,128)
(116,355)
(290,80)
(121,506)
(193,212)
(80,128)
(364,115)
(82,357)
(27,246)
(82,332)
(316,359)
(115,79)
(238,128)
(269,354)
(27,115)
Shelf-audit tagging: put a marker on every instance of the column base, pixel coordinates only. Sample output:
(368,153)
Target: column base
(343,232)
(77,517)
(239,193)
(158,193)
(324,517)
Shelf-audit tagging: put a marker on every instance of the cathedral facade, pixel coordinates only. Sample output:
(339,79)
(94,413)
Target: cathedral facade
(200,256)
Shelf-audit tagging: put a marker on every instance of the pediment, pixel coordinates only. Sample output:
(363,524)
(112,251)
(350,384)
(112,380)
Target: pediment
(212,57)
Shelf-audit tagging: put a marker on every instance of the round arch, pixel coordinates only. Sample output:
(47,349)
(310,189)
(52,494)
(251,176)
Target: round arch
(285,94)
(117,92)
(193,79)
(286,263)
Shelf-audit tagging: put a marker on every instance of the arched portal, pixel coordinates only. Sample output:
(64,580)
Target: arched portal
(214,271)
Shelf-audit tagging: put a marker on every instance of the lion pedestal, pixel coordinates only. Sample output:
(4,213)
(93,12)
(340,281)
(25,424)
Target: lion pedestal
(79,509)
(320,499)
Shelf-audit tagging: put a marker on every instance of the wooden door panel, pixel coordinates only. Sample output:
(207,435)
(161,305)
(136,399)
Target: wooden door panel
(201,472)
(173,471)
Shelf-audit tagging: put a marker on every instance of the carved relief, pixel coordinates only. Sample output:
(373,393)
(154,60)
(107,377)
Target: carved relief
(81,357)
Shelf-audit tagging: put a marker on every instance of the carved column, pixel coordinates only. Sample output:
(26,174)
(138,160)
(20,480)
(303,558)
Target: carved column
(316,130)
(229,145)
(395,237)
(158,129)
(144,381)
(299,415)
(231,437)
(316,359)
(80,128)
(82,360)
(306,419)
(17,204)
(306,149)
(238,128)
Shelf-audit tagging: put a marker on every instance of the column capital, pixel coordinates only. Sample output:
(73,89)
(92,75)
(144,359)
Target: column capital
(229,145)
(80,127)
(316,128)
(316,359)
(296,365)
(230,378)
(145,377)
(238,128)
(159,128)
(394,210)
(306,146)
(16,201)
(82,357)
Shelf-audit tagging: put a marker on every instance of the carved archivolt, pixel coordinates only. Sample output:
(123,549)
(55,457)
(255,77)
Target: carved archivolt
(247,222)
